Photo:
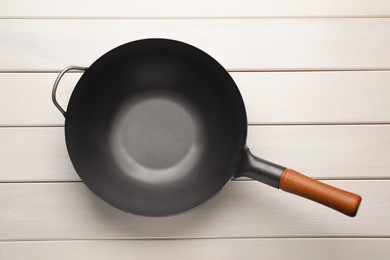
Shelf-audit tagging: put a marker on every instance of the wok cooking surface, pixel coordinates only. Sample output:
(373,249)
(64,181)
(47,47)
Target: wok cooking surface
(157,138)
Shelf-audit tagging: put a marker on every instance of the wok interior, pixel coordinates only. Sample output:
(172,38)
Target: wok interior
(156,127)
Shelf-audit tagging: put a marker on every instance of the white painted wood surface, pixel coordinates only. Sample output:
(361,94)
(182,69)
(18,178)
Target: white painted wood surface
(199,8)
(270,97)
(336,152)
(314,74)
(238,44)
(276,249)
(51,211)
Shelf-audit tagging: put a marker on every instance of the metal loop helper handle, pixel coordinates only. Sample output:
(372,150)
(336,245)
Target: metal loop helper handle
(62,73)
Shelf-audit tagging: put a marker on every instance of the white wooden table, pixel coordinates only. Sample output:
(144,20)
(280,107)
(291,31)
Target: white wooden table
(314,75)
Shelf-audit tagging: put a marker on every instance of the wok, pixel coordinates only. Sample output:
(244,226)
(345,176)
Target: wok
(156,127)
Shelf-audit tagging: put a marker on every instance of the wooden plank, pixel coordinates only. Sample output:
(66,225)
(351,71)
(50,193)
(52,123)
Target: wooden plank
(276,249)
(246,209)
(34,154)
(270,97)
(199,8)
(39,154)
(316,97)
(248,44)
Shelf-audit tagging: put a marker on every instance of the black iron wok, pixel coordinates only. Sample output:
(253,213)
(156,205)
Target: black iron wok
(156,127)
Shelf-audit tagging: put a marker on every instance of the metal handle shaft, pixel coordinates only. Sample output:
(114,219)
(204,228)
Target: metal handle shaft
(62,73)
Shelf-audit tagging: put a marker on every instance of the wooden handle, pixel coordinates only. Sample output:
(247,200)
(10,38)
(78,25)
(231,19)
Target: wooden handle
(301,185)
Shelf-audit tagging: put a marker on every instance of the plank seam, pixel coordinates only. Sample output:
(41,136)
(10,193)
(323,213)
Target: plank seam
(351,179)
(259,124)
(216,17)
(200,238)
(305,70)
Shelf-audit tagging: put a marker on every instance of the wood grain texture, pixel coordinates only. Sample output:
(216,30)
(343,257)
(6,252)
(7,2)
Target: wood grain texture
(39,154)
(341,200)
(270,97)
(47,211)
(276,249)
(248,44)
(199,8)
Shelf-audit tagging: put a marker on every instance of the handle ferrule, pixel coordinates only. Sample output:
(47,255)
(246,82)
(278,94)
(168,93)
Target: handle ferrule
(259,169)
